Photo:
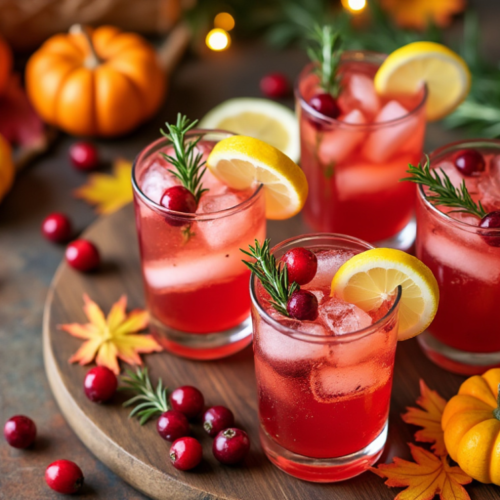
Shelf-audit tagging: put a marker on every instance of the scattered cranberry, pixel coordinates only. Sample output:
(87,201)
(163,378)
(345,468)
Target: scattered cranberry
(275,85)
(325,104)
(82,255)
(491,220)
(20,431)
(216,419)
(64,476)
(100,384)
(470,162)
(178,199)
(185,453)
(56,227)
(303,305)
(302,265)
(231,446)
(188,400)
(84,156)
(172,425)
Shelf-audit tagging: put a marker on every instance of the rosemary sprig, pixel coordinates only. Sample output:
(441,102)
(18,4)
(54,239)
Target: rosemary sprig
(445,193)
(326,50)
(151,402)
(189,167)
(274,277)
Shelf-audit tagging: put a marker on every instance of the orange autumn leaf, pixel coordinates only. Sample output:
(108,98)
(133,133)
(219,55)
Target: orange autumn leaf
(108,192)
(108,339)
(425,478)
(429,418)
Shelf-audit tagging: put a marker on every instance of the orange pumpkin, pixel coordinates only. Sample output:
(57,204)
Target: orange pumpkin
(96,83)
(5,64)
(7,169)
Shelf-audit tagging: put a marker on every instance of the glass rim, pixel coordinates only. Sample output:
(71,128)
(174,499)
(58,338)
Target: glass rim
(182,215)
(448,148)
(321,339)
(353,55)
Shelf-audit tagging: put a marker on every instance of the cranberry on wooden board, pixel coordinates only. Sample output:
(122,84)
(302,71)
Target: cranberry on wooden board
(172,425)
(64,476)
(56,227)
(84,156)
(185,453)
(188,400)
(231,446)
(275,85)
(19,431)
(100,384)
(82,255)
(216,419)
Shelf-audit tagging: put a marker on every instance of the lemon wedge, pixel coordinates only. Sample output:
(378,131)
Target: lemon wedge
(239,161)
(263,119)
(371,277)
(443,71)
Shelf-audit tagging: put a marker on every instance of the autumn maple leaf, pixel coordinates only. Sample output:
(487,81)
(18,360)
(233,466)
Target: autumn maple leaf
(429,418)
(425,478)
(108,192)
(111,338)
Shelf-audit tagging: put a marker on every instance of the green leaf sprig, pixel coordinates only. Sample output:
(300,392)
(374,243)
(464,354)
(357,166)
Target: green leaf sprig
(444,192)
(149,401)
(326,50)
(274,277)
(189,167)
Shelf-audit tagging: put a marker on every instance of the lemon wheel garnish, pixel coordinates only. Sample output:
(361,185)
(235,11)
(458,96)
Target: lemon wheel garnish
(240,161)
(443,71)
(371,277)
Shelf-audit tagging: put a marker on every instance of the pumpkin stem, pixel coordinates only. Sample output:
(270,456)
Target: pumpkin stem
(496,411)
(92,60)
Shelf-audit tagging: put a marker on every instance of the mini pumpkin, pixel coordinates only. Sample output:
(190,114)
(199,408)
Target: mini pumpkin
(5,64)
(471,424)
(7,169)
(101,82)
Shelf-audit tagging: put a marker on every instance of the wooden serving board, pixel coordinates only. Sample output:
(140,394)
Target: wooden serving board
(138,454)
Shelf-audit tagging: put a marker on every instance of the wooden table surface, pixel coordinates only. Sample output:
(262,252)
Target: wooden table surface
(28,262)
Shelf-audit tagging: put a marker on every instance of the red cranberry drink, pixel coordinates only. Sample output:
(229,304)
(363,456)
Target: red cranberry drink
(463,251)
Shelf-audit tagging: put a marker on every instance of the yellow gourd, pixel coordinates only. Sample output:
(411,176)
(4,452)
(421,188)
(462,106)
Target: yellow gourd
(7,169)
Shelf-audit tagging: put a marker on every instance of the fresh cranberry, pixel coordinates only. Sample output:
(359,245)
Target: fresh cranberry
(470,162)
(302,265)
(188,400)
(275,85)
(185,453)
(491,220)
(64,476)
(82,255)
(303,305)
(325,104)
(231,446)
(172,425)
(84,156)
(56,227)
(178,199)
(100,384)
(216,419)
(20,431)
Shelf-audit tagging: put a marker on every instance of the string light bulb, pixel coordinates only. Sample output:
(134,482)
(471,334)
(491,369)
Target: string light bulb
(218,39)
(224,20)
(354,6)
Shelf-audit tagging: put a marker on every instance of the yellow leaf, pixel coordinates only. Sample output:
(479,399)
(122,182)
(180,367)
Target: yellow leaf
(425,478)
(112,338)
(108,192)
(429,418)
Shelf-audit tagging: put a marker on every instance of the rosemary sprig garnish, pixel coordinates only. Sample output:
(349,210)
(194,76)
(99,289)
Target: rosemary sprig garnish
(445,193)
(189,167)
(326,50)
(274,277)
(150,401)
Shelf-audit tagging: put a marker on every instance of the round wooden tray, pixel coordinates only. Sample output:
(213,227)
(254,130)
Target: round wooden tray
(138,454)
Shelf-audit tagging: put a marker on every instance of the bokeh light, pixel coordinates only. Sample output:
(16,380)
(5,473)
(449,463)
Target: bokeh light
(218,39)
(224,20)
(354,5)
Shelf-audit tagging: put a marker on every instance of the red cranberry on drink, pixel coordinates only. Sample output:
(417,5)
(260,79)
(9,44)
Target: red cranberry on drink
(84,156)
(185,453)
(100,384)
(302,265)
(82,255)
(470,162)
(56,227)
(325,104)
(275,85)
(178,199)
(19,431)
(187,400)
(491,220)
(172,425)
(231,446)
(216,419)
(64,476)
(303,305)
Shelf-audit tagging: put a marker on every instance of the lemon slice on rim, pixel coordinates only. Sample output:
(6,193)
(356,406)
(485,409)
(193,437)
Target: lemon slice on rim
(443,71)
(260,118)
(369,278)
(239,161)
